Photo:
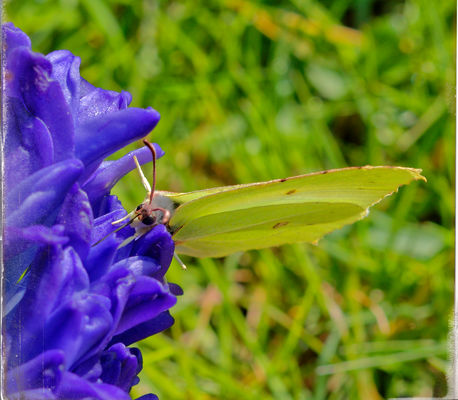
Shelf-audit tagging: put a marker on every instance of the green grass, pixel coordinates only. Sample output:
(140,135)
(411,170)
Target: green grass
(252,91)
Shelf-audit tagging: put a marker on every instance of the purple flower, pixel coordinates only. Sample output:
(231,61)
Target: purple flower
(73,308)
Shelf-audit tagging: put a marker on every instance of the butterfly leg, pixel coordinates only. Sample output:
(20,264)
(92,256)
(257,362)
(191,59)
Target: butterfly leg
(145,182)
(182,264)
(128,240)
(121,219)
(165,214)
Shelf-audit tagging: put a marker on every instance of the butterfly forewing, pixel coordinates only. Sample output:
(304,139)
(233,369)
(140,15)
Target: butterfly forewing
(221,221)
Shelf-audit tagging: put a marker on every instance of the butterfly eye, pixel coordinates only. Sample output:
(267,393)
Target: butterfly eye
(148,220)
(138,207)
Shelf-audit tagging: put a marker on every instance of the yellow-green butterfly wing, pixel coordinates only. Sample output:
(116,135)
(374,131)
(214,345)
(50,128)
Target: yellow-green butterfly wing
(220,221)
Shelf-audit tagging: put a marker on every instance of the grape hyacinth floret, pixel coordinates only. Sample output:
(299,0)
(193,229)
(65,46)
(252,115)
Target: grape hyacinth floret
(71,309)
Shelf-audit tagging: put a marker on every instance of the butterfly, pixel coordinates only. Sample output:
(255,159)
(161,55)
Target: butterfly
(219,221)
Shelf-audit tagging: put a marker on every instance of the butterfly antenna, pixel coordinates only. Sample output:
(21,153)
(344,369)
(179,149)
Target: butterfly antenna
(116,230)
(182,264)
(153,152)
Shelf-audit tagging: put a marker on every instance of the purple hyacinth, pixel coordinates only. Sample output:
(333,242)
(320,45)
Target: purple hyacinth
(71,308)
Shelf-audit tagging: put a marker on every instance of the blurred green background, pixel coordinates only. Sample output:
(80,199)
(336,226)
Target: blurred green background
(256,90)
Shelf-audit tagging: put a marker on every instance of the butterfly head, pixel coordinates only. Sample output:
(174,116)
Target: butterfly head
(145,214)
(154,210)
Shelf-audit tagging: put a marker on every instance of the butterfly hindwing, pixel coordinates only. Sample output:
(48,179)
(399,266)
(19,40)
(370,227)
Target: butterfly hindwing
(224,233)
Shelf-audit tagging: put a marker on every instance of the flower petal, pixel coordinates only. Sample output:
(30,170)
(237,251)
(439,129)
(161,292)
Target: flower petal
(108,204)
(104,227)
(115,286)
(37,198)
(100,257)
(99,102)
(78,326)
(148,396)
(120,366)
(66,71)
(158,245)
(43,98)
(13,37)
(139,332)
(73,387)
(54,278)
(28,144)
(139,265)
(33,394)
(104,135)
(41,372)
(18,239)
(76,216)
(147,298)
(110,172)
(175,289)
